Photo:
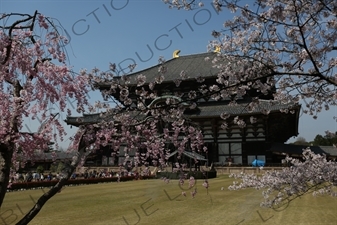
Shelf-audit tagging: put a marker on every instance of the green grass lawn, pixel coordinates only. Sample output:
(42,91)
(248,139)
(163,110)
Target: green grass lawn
(155,202)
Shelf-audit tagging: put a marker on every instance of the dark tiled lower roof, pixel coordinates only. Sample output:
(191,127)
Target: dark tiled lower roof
(298,149)
(263,107)
(85,119)
(204,111)
(51,156)
(331,150)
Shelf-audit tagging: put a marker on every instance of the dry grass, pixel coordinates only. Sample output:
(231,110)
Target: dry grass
(155,202)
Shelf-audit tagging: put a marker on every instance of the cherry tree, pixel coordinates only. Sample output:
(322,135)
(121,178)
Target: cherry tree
(287,47)
(34,76)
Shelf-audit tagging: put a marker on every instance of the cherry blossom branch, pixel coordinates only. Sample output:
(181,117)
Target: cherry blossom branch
(180,4)
(315,174)
(66,174)
(10,29)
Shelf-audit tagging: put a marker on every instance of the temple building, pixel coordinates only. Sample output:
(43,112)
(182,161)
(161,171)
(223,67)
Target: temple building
(274,122)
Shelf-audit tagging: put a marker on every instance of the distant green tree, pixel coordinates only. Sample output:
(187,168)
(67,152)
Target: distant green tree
(60,167)
(53,167)
(327,140)
(57,167)
(40,169)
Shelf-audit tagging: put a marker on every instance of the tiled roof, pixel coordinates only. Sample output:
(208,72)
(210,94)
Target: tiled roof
(242,109)
(298,149)
(204,111)
(48,156)
(193,65)
(97,117)
(86,118)
(331,150)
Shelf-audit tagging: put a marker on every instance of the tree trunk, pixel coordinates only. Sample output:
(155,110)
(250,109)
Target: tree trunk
(6,153)
(54,190)
(8,145)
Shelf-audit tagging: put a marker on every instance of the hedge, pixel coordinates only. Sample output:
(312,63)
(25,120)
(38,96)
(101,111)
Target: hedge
(195,174)
(42,184)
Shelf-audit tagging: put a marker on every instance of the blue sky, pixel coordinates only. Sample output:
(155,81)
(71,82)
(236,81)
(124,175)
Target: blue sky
(128,31)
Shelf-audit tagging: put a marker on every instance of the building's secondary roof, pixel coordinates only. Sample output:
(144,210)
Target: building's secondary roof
(298,149)
(51,156)
(264,107)
(204,111)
